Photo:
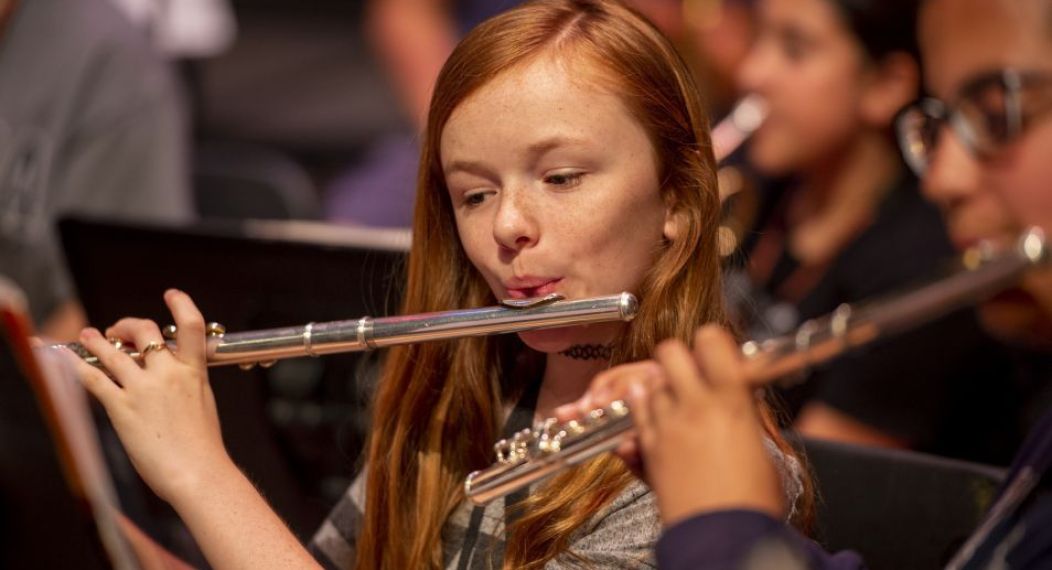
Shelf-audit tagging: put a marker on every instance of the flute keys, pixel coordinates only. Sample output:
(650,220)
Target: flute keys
(212,329)
(549,436)
(509,450)
(596,415)
(501,449)
(515,449)
(80,351)
(519,446)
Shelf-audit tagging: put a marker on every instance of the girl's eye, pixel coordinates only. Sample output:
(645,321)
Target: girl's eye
(564,179)
(474,199)
(794,45)
(793,49)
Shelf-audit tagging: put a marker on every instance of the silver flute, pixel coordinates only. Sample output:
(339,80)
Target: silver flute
(264,347)
(734,129)
(534,454)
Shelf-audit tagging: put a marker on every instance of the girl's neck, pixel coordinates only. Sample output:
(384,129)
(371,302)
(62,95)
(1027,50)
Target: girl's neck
(840,198)
(565,380)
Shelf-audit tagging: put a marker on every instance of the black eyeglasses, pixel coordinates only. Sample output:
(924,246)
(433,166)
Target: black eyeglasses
(989,112)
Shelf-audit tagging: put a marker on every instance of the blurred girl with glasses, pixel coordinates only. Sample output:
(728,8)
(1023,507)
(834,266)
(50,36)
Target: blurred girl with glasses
(984,146)
(852,226)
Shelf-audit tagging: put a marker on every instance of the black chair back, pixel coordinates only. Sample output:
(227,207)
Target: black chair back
(898,509)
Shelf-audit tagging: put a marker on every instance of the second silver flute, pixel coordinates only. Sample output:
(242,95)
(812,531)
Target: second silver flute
(315,339)
(533,455)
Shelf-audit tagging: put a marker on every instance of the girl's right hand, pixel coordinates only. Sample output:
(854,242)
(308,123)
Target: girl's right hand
(163,411)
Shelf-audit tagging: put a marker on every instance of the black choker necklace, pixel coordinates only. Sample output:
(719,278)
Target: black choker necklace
(589,351)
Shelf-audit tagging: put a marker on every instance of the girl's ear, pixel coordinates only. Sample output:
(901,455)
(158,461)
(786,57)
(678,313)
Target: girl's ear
(673,224)
(894,83)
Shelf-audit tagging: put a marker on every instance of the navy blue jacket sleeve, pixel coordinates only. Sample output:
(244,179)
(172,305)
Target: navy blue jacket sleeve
(740,539)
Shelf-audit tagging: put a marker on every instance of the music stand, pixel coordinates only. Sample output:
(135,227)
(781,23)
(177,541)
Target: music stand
(297,428)
(56,497)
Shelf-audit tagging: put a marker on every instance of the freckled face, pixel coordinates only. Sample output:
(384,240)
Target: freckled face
(995,198)
(554,185)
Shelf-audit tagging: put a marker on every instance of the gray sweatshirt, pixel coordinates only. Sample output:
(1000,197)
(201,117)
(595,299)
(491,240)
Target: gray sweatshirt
(91,122)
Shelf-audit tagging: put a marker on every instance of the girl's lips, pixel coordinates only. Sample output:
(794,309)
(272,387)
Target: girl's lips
(528,288)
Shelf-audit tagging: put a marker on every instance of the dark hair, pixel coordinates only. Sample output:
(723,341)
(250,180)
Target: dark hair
(882,26)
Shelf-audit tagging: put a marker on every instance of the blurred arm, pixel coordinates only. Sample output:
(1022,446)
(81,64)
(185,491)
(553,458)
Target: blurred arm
(414,38)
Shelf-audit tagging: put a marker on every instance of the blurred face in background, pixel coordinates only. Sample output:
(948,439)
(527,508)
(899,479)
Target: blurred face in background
(812,72)
(994,192)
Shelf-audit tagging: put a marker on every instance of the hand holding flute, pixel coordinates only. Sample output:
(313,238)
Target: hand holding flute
(701,400)
(602,422)
(158,397)
(696,433)
(158,392)
(163,410)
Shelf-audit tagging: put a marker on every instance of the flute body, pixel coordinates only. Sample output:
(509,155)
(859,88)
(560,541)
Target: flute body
(734,129)
(315,339)
(532,455)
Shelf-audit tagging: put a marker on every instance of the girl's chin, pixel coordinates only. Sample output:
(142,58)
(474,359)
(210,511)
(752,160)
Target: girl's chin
(550,341)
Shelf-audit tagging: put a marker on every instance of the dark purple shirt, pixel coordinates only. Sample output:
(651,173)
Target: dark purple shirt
(740,539)
(1017,537)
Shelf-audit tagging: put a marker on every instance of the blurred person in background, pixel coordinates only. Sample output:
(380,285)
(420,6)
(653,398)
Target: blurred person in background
(983,146)
(184,29)
(412,38)
(852,225)
(722,32)
(91,122)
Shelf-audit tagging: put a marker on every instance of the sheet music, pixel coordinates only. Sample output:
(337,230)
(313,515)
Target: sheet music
(65,407)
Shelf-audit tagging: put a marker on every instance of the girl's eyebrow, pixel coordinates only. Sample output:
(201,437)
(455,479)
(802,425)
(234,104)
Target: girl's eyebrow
(542,146)
(468,166)
(535,151)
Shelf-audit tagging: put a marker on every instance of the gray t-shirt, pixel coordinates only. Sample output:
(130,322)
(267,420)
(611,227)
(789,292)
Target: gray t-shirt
(621,535)
(91,122)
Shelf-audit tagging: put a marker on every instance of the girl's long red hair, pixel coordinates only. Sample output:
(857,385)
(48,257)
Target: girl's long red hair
(439,405)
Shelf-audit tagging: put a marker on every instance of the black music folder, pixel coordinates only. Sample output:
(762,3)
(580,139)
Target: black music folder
(297,428)
(57,499)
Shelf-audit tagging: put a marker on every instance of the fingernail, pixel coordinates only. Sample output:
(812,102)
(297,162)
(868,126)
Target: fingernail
(653,368)
(585,403)
(636,392)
